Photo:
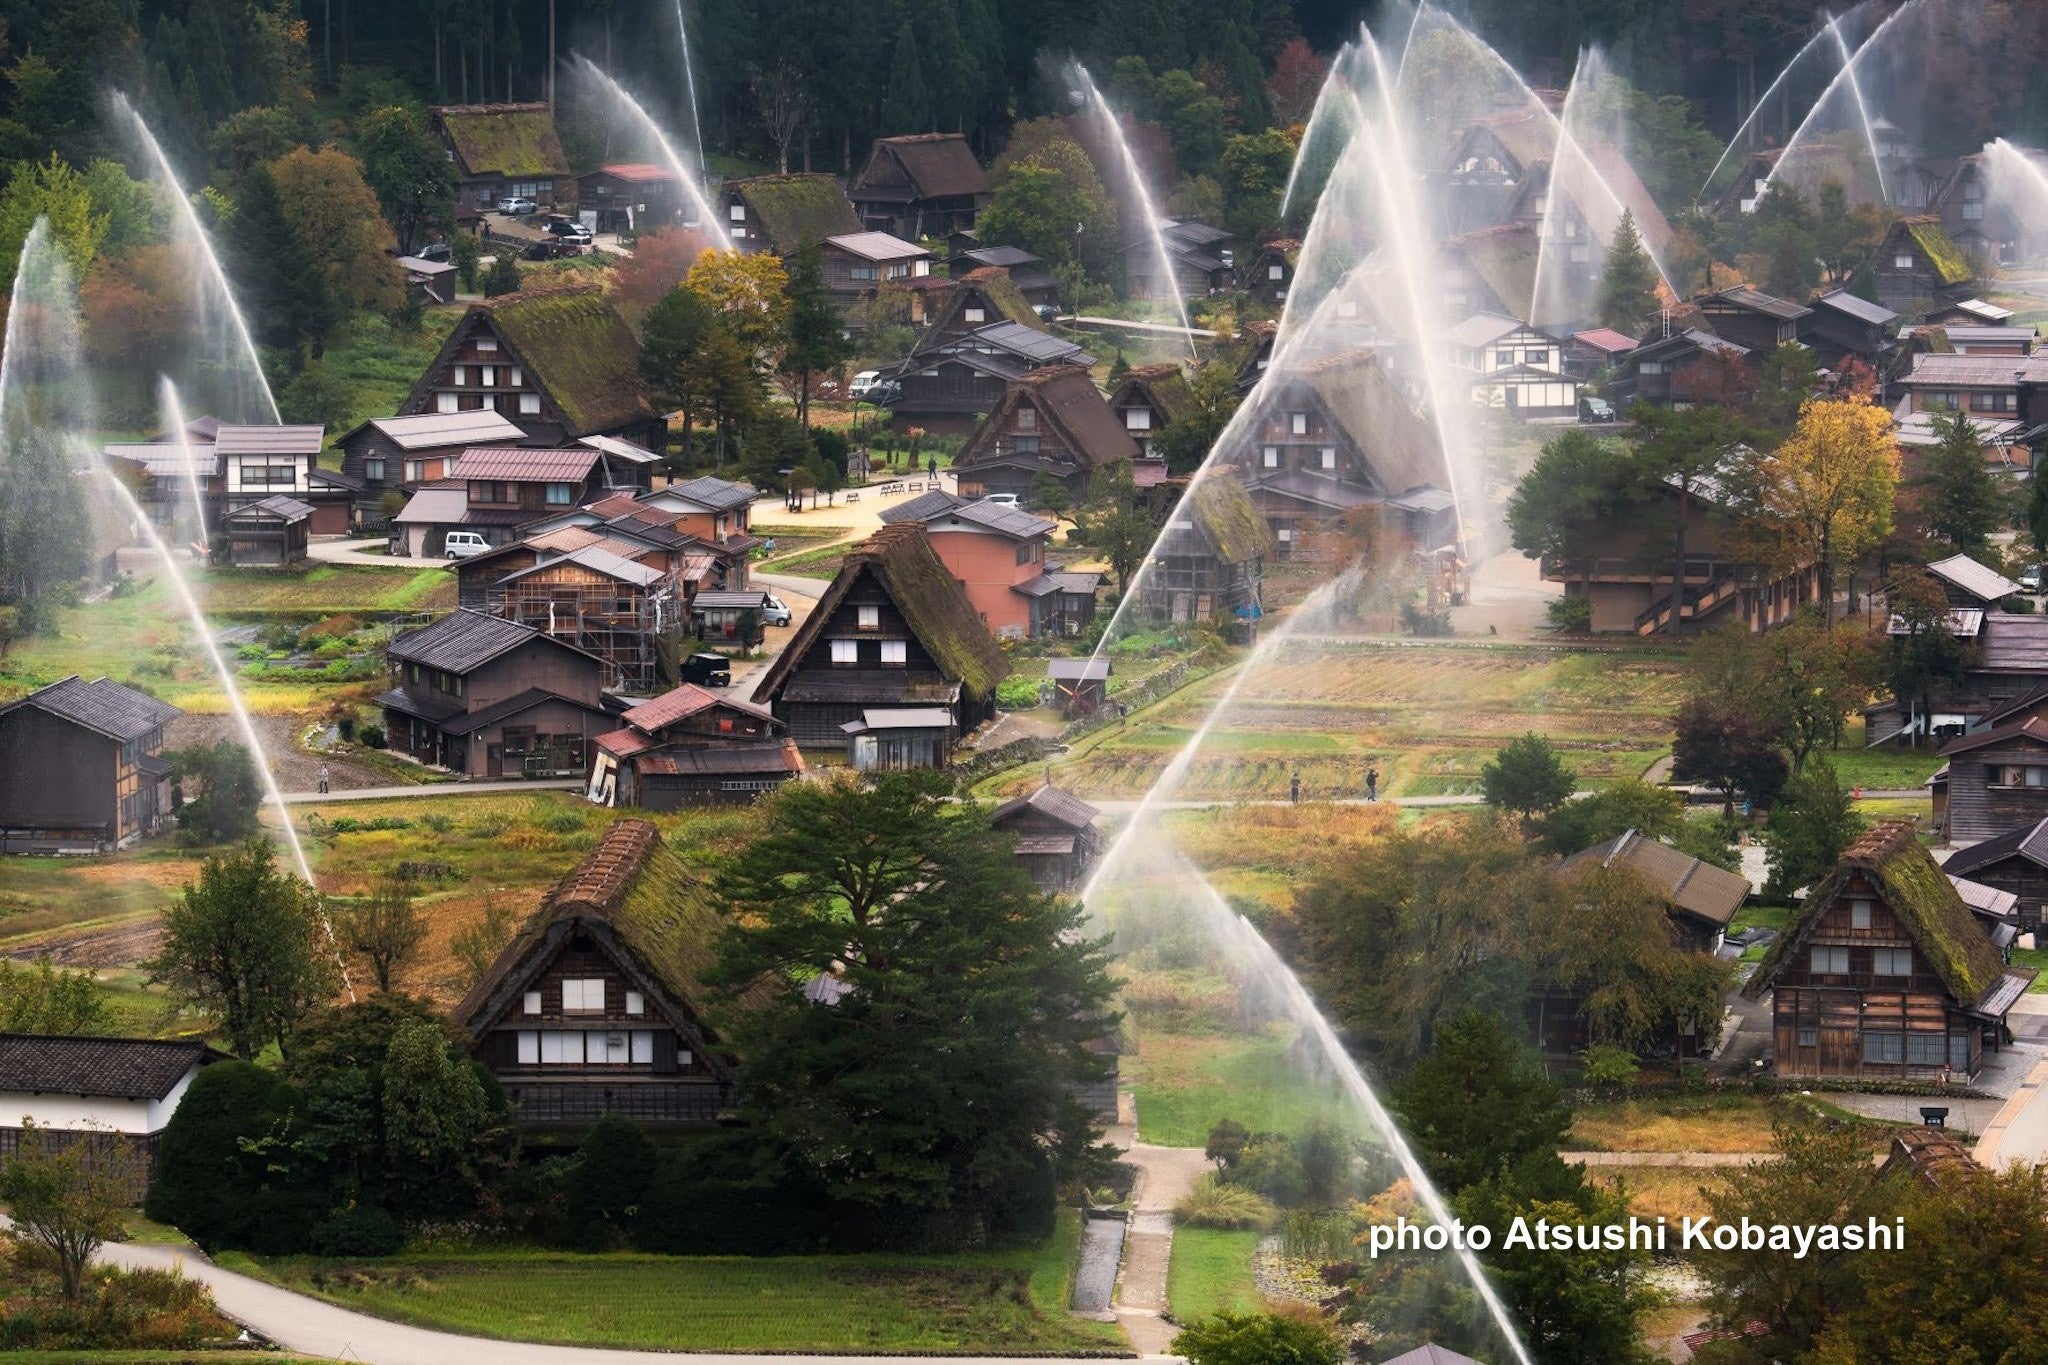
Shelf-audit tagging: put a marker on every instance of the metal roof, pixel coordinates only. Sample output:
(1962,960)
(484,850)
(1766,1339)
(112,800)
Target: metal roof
(518,464)
(1698,888)
(1048,800)
(1983,371)
(467,639)
(1986,334)
(597,560)
(2028,841)
(922,508)
(112,1068)
(777,756)
(1756,301)
(1483,329)
(2033,727)
(876,246)
(101,706)
(1018,339)
(1058,580)
(1605,339)
(164,460)
(432,430)
(1863,310)
(419,266)
(623,450)
(435,507)
(1917,429)
(717,495)
(1001,518)
(2014,644)
(736,599)
(277,505)
(1965,623)
(904,718)
(238,439)
(1978,308)
(1985,900)
(511,706)
(1085,670)
(1982,582)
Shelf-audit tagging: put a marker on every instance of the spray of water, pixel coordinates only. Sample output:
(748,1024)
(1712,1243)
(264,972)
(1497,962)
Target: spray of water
(215,278)
(174,410)
(1862,110)
(690,86)
(635,110)
(2017,188)
(1846,75)
(1813,44)
(1162,258)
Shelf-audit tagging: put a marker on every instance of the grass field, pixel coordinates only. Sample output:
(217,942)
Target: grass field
(1211,1272)
(1891,768)
(1427,716)
(1671,1192)
(1010,1300)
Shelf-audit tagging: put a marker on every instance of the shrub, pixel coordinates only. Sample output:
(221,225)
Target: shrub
(727,1196)
(613,1168)
(1017,694)
(364,1230)
(1217,1203)
(1606,1064)
(1416,621)
(1270,1167)
(1572,613)
(208,1182)
(1260,1339)
(437,822)
(371,736)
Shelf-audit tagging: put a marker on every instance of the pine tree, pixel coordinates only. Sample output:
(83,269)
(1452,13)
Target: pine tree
(289,303)
(1628,282)
(44,536)
(906,108)
(817,334)
(1963,505)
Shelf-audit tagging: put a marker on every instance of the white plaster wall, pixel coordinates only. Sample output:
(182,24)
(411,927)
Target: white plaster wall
(78,1111)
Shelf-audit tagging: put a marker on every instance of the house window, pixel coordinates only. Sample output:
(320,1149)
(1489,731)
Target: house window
(895,652)
(529,1047)
(1536,358)
(532,1004)
(558,1048)
(1503,359)
(643,1046)
(1026,445)
(1284,535)
(863,272)
(1926,1049)
(1581,253)
(1571,227)
(1137,419)
(1903,261)
(870,618)
(2017,775)
(1973,209)
(486,345)
(1809,1036)
(1297,422)
(446,402)
(739,233)
(1329,457)
(737,213)
(1859,914)
(585,994)
(1994,402)
(1884,1047)
(1650,367)
(1027,419)
(460,377)
(1830,960)
(1269,457)
(617,1047)
(846,652)
(1940,398)
(1891,961)
(514,376)
(560,494)
(373,470)
(415,470)
(974,314)
(529,404)
(1276,272)
(1959,1053)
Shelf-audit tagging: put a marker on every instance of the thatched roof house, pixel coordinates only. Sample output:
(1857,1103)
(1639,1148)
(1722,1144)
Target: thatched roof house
(501,150)
(785,213)
(1049,421)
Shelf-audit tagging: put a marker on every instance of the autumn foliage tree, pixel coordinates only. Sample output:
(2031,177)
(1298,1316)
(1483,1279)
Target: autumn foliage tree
(1297,78)
(659,262)
(1825,495)
(324,196)
(749,295)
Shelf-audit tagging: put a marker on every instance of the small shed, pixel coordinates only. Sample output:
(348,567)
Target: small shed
(1079,685)
(434,280)
(896,739)
(721,613)
(1056,835)
(268,534)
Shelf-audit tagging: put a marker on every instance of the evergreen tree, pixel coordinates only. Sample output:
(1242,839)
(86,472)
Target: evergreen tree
(45,538)
(1527,778)
(289,304)
(906,107)
(1812,823)
(1962,503)
(817,342)
(1628,281)
(1479,1101)
(407,167)
(503,276)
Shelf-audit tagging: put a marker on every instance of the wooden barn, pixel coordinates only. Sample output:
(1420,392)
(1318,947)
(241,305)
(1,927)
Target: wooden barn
(1057,841)
(893,632)
(1079,686)
(1885,973)
(271,533)
(692,747)
(1699,898)
(81,767)
(595,1007)
(1210,561)
(2015,862)
(920,185)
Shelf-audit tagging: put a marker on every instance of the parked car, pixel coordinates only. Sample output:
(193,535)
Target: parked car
(775,612)
(1001,499)
(517,205)
(1046,312)
(864,383)
(568,231)
(463,544)
(435,251)
(2031,579)
(707,670)
(1593,409)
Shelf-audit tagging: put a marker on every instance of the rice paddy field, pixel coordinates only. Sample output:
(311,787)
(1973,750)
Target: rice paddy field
(1427,716)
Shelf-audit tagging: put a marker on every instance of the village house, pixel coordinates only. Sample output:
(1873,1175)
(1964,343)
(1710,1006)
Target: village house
(480,578)
(1486,166)
(1756,321)
(1209,562)
(1968,313)
(1079,686)
(1150,399)
(82,768)
(1997,912)
(433,281)
(1839,325)
(892,640)
(502,151)
(271,533)
(1034,283)
(1199,256)
(1627,580)
(1806,169)
(1916,265)
(103,1090)
(1336,448)
(692,747)
(1997,780)
(954,378)
(1051,422)
(975,299)
(1985,226)
(394,455)
(594,1008)
(1970,584)
(1595,351)
(1676,371)
(1272,271)
(1999,684)
(1990,387)
(633,196)
(716,513)
(1512,365)
(235,465)
(858,264)
(998,555)
(1884,973)
(494,491)
(785,213)
(1489,270)
(628,613)
(485,697)
(559,363)
(2015,863)
(1699,898)
(1955,338)
(1057,841)
(921,185)
(1257,339)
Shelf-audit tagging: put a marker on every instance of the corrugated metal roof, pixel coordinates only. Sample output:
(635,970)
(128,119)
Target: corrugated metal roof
(1985,900)
(1756,301)
(1002,518)
(1712,893)
(597,560)
(1086,670)
(1863,310)
(683,702)
(102,706)
(922,508)
(1978,308)
(1983,371)
(2028,841)
(1981,581)
(717,495)
(1050,801)
(1483,329)
(433,430)
(2033,727)
(435,507)
(1965,623)
(623,450)
(516,464)
(729,758)
(904,718)
(283,508)
(465,640)
(876,246)
(238,439)
(1018,339)
(2014,644)
(166,461)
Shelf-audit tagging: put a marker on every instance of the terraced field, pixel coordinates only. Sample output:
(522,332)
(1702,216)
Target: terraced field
(1428,716)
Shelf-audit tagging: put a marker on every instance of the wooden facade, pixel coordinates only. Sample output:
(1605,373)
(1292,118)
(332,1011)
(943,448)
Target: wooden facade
(270,534)
(2015,861)
(692,747)
(1057,838)
(1997,780)
(81,768)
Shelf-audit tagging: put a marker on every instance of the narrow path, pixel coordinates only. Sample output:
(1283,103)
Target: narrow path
(2019,1132)
(429,790)
(358,552)
(1165,1175)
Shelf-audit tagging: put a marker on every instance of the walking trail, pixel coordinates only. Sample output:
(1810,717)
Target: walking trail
(1165,1175)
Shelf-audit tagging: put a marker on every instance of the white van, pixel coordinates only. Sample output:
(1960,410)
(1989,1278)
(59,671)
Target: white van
(1001,499)
(463,544)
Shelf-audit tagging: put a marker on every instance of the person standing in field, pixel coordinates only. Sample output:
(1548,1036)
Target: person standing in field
(1372,784)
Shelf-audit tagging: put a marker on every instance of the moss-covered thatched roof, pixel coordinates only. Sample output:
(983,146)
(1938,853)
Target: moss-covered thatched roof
(1220,506)
(1003,292)
(1919,895)
(577,347)
(1504,258)
(796,211)
(1166,389)
(931,600)
(1950,265)
(631,887)
(517,141)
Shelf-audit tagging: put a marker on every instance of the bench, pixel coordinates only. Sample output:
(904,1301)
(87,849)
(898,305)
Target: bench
(853,497)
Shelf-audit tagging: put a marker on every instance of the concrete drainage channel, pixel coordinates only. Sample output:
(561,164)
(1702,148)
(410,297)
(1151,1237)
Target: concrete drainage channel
(1102,1250)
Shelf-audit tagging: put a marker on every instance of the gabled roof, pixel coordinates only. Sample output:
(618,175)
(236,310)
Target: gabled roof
(235,438)
(1698,888)
(635,896)
(922,508)
(1863,310)
(2028,841)
(1605,339)
(434,430)
(682,703)
(1049,801)
(1005,257)
(1217,504)
(1982,582)
(466,639)
(2033,727)
(1032,343)
(931,600)
(108,1068)
(1429,1353)
(1951,267)
(796,211)
(876,246)
(519,464)
(103,707)
(1164,387)
(289,510)
(635,172)
(597,560)
(620,450)
(1996,371)
(1991,313)
(714,495)
(2014,644)
(1014,522)
(574,345)
(1504,258)
(1987,901)
(517,141)
(1921,899)
(517,704)
(1072,409)
(1361,397)
(1756,301)
(1483,329)
(2026,703)
(937,166)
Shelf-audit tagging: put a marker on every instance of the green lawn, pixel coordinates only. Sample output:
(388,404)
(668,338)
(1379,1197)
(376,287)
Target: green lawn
(1889,768)
(982,1301)
(1211,1272)
(376,364)
(1184,1084)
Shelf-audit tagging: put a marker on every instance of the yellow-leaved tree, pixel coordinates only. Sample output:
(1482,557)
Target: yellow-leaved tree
(750,294)
(1825,495)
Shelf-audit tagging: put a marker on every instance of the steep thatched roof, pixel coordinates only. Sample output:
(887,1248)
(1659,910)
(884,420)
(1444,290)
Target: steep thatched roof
(1504,258)
(1165,388)
(796,211)
(1070,408)
(1927,233)
(1003,293)
(931,165)
(932,602)
(517,141)
(633,889)
(572,341)
(1355,389)
(1219,505)
(1923,900)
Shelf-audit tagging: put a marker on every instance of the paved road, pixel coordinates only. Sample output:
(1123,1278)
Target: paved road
(429,790)
(311,1327)
(342,551)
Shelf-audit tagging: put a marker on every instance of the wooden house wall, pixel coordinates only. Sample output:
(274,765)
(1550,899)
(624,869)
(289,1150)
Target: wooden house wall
(554,735)
(1759,332)
(56,776)
(2027,880)
(474,581)
(535,664)
(665,791)
(1979,810)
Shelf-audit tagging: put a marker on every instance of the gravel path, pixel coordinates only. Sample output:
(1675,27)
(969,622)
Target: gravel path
(294,770)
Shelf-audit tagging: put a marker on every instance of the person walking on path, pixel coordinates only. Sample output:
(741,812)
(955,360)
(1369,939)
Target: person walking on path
(1372,784)
(1294,787)
(321,778)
